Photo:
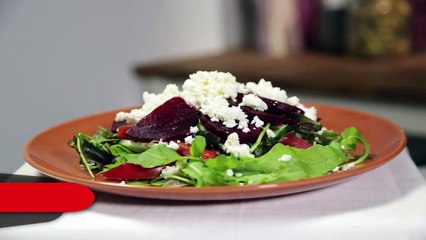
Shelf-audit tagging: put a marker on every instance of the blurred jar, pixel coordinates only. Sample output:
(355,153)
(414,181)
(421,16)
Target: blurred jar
(378,28)
(418,25)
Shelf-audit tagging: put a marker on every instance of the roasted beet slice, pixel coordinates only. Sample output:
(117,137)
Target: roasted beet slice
(222,131)
(271,118)
(170,121)
(295,141)
(280,107)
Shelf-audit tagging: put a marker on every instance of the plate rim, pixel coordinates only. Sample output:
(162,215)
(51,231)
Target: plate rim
(334,178)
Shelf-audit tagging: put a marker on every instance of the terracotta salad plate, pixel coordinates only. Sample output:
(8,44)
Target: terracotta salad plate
(49,153)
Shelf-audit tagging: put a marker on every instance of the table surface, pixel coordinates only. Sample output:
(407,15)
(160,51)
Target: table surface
(388,202)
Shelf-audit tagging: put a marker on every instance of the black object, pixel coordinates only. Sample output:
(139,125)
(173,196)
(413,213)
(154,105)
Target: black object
(17,219)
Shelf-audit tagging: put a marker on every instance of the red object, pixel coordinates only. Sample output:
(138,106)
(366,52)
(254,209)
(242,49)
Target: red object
(208,154)
(121,131)
(44,197)
(295,141)
(129,171)
(184,150)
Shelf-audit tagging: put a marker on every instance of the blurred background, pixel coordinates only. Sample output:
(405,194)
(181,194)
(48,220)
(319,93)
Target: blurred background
(61,60)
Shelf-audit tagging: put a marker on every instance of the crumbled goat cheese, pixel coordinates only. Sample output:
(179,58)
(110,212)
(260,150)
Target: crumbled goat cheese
(218,109)
(285,158)
(151,102)
(266,90)
(257,122)
(345,167)
(170,170)
(293,101)
(203,86)
(348,166)
(232,145)
(229,172)
(171,144)
(189,139)
(193,129)
(270,133)
(238,174)
(310,113)
(254,102)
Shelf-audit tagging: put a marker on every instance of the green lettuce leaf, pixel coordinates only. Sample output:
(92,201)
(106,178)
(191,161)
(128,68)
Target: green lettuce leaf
(158,155)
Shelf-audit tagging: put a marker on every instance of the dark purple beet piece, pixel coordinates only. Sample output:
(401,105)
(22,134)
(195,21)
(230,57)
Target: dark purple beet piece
(170,121)
(273,119)
(116,125)
(222,131)
(280,107)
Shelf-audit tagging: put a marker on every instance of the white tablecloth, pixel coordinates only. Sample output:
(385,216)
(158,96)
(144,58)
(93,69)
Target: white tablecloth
(386,203)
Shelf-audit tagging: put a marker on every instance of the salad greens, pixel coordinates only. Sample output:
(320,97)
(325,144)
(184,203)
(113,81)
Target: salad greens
(279,163)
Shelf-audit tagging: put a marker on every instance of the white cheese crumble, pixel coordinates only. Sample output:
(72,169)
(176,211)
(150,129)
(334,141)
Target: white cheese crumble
(254,102)
(270,133)
(218,109)
(266,90)
(285,158)
(203,86)
(345,167)
(238,174)
(232,145)
(229,172)
(151,102)
(171,144)
(348,166)
(170,170)
(257,122)
(193,129)
(189,140)
(309,112)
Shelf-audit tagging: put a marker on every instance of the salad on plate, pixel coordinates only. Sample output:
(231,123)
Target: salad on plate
(216,131)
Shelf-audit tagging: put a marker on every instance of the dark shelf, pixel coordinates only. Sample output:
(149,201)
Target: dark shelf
(390,78)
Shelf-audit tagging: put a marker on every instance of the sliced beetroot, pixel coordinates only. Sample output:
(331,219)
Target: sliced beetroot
(170,121)
(222,131)
(295,141)
(116,125)
(129,171)
(280,107)
(273,119)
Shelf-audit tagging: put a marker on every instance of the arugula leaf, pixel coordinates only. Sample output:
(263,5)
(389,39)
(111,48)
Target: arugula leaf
(120,150)
(350,138)
(118,162)
(137,147)
(158,155)
(259,139)
(197,147)
(223,162)
(312,162)
(202,175)
(80,138)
